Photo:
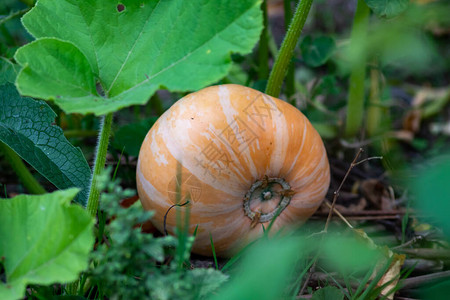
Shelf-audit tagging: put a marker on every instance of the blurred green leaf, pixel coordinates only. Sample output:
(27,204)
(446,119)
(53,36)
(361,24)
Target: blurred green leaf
(400,42)
(26,127)
(432,189)
(328,293)
(129,137)
(387,8)
(350,253)
(328,86)
(420,144)
(317,50)
(181,45)
(266,270)
(44,240)
(326,131)
(436,291)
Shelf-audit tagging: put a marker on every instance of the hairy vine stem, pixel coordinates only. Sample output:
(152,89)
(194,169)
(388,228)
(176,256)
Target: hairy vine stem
(99,164)
(289,82)
(94,192)
(287,49)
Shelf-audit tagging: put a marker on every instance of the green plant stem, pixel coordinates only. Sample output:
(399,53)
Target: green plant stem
(375,110)
(263,50)
(287,48)
(72,288)
(273,48)
(100,159)
(25,176)
(355,105)
(290,83)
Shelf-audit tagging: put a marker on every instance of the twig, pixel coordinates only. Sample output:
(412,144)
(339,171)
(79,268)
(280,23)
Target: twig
(427,253)
(368,212)
(401,135)
(367,159)
(354,163)
(423,266)
(333,209)
(408,243)
(371,218)
(420,280)
(338,214)
(407,283)
(308,277)
(325,277)
(336,193)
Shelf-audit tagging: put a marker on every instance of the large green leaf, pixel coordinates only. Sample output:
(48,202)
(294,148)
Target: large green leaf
(26,127)
(130,50)
(44,240)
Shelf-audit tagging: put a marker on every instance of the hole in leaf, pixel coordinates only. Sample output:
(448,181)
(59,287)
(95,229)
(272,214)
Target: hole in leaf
(120,7)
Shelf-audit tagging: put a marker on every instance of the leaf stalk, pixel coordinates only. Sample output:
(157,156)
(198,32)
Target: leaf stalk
(29,182)
(290,76)
(287,48)
(99,164)
(355,105)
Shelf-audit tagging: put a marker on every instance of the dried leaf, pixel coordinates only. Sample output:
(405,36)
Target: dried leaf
(392,275)
(377,194)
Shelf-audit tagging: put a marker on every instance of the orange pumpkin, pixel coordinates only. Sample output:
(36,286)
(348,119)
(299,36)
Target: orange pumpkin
(239,156)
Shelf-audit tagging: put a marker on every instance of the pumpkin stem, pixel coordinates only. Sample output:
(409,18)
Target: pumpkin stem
(267,194)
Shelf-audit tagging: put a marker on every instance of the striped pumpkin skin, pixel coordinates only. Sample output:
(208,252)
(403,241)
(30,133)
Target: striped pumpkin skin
(212,146)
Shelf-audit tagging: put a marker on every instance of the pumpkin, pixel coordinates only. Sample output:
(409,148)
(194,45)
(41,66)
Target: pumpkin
(239,158)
